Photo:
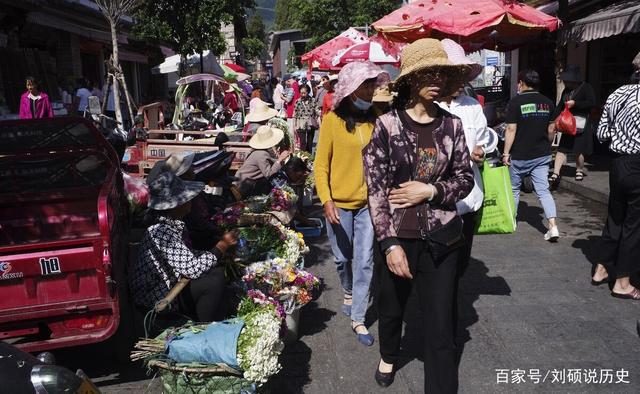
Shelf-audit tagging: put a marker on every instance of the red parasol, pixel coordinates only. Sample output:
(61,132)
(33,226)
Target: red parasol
(488,22)
(235,67)
(376,50)
(322,56)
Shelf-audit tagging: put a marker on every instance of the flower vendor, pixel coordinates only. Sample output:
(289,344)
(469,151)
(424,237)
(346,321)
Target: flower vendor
(263,161)
(203,232)
(165,256)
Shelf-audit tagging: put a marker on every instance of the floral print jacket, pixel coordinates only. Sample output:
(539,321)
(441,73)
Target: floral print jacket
(389,161)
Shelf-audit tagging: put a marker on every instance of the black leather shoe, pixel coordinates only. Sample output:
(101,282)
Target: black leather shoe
(385,379)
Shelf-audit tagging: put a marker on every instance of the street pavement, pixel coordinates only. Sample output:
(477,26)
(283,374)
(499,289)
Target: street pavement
(528,315)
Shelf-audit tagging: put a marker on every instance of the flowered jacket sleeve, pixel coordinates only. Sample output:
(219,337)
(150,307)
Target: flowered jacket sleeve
(377,173)
(460,182)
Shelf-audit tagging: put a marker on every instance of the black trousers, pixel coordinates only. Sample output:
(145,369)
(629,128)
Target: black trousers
(465,252)
(621,234)
(202,298)
(435,284)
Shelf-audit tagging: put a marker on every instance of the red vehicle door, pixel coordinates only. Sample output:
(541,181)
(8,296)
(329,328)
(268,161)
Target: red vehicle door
(63,229)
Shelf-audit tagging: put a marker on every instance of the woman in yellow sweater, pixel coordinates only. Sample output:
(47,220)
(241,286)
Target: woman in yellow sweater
(341,186)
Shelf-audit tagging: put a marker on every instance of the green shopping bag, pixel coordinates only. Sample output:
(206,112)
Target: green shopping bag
(498,213)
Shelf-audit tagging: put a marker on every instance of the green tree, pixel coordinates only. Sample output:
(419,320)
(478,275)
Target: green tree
(254,45)
(286,17)
(321,20)
(189,26)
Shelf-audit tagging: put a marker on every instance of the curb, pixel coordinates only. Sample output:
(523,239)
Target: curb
(583,191)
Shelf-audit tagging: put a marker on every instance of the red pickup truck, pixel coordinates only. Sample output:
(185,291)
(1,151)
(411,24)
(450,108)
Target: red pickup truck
(63,234)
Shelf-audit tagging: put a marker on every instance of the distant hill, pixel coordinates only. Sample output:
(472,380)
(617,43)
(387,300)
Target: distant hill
(267,9)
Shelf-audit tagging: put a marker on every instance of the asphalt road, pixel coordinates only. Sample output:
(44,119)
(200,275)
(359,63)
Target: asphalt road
(528,315)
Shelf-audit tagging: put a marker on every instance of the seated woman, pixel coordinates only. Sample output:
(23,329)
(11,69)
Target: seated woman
(262,162)
(165,256)
(259,116)
(203,232)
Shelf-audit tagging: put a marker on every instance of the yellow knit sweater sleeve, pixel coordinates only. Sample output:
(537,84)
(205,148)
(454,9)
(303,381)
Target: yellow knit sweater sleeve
(324,152)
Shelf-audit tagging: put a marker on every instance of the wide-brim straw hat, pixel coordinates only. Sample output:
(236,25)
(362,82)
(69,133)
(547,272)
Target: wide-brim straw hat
(266,137)
(424,54)
(177,164)
(456,54)
(383,95)
(168,191)
(261,112)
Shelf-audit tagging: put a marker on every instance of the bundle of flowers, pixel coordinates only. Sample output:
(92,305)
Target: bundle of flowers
(259,343)
(282,124)
(291,286)
(293,245)
(281,199)
(228,218)
(256,331)
(255,242)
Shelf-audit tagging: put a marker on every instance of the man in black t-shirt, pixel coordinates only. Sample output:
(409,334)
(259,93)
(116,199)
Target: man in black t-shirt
(527,148)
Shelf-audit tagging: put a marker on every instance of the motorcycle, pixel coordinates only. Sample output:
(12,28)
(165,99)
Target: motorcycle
(20,372)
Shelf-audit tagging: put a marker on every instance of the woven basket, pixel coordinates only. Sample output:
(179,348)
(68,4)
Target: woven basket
(201,379)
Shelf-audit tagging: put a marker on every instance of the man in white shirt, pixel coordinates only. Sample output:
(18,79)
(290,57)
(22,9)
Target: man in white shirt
(82,97)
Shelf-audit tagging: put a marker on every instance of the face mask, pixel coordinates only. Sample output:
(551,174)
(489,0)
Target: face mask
(361,104)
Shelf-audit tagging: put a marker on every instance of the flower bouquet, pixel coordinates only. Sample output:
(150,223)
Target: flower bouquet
(291,286)
(248,345)
(229,218)
(293,245)
(281,199)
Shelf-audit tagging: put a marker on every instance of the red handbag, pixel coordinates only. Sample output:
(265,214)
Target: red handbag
(566,122)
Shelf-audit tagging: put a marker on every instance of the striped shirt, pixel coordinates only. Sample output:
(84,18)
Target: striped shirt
(620,122)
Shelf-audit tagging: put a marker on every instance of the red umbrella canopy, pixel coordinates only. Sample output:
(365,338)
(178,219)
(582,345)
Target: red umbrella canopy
(376,49)
(470,21)
(236,68)
(322,56)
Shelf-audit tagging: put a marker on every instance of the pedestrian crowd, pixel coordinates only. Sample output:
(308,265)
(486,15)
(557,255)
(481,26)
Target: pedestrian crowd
(397,169)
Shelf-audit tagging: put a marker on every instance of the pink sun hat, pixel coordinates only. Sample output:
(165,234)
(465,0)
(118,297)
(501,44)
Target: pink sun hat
(455,53)
(353,75)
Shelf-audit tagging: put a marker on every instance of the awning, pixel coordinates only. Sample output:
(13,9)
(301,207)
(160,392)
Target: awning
(171,64)
(132,56)
(619,18)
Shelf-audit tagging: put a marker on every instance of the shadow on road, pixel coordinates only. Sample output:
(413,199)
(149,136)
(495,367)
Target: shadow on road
(533,215)
(474,283)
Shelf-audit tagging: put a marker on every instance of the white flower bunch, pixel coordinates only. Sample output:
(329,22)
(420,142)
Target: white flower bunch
(294,245)
(259,346)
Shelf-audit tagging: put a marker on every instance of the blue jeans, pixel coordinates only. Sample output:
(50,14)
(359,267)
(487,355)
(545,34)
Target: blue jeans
(538,169)
(352,246)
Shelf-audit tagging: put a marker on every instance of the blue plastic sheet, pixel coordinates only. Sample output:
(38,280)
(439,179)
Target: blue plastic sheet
(218,343)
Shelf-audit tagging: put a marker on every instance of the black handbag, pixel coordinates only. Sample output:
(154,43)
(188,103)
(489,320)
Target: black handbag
(445,239)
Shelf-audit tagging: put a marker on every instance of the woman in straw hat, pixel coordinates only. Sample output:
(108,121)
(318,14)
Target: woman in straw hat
(340,183)
(263,161)
(259,116)
(417,168)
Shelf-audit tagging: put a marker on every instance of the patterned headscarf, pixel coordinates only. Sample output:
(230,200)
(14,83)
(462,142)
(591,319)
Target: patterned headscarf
(353,75)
